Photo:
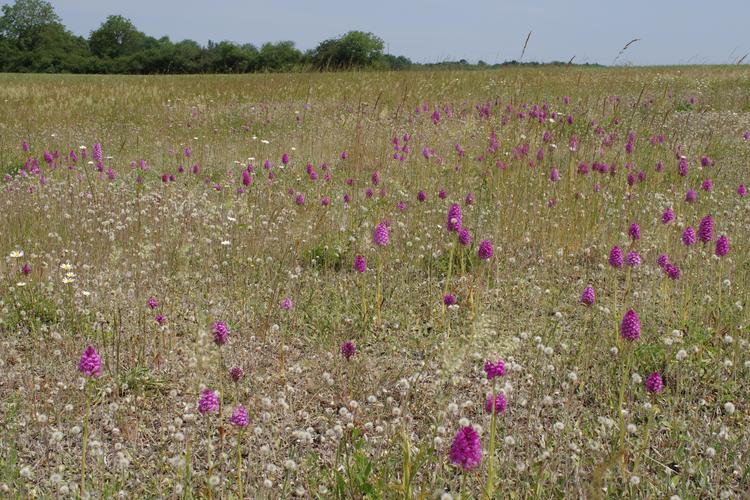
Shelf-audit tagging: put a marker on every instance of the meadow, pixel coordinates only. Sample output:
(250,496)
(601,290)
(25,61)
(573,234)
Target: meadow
(519,283)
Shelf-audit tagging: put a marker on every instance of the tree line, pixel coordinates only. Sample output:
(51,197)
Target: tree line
(33,39)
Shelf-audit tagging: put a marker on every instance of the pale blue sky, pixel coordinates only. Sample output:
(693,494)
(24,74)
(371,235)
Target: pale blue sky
(671,31)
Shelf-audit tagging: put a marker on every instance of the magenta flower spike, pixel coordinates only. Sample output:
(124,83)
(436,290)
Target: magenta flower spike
(360,264)
(208,402)
(588,297)
(239,417)
(236,373)
(485,251)
(634,231)
(466,450)
(464,237)
(654,383)
(667,216)
(348,349)
(454,217)
(706,229)
(633,259)
(722,246)
(630,328)
(499,402)
(221,333)
(380,236)
(615,257)
(688,236)
(90,363)
(494,368)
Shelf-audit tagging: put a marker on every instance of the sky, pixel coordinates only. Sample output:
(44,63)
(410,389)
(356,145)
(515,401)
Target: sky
(670,31)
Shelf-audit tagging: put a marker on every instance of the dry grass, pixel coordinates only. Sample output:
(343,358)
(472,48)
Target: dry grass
(381,424)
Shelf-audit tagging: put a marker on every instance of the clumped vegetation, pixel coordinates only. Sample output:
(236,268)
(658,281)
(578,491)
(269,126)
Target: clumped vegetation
(34,40)
(516,283)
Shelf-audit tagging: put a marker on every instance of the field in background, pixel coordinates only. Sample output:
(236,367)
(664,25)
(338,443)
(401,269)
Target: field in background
(221,197)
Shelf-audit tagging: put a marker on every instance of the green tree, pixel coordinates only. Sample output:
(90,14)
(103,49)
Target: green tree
(279,56)
(355,49)
(116,37)
(32,38)
(396,62)
(228,57)
(58,51)
(187,57)
(22,22)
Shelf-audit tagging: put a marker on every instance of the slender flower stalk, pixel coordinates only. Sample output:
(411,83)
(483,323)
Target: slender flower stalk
(360,266)
(381,238)
(630,331)
(208,403)
(86,419)
(91,366)
(722,249)
(379,292)
(466,452)
(491,464)
(240,420)
(495,404)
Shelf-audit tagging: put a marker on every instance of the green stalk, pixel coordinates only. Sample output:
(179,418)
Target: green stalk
(721,276)
(644,447)
(187,480)
(461,257)
(621,400)
(85,438)
(209,458)
(379,294)
(463,485)
(450,272)
(627,285)
(239,465)
(491,451)
(406,475)
(364,301)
